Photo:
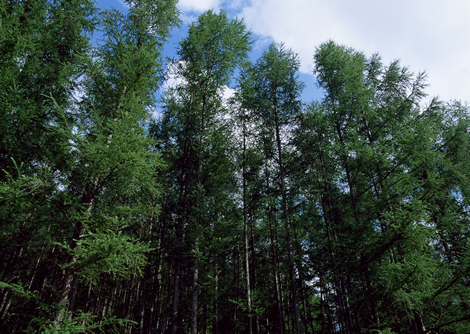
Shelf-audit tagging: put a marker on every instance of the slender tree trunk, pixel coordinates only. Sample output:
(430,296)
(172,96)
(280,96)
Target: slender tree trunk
(280,313)
(176,292)
(180,234)
(253,258)
(5,304)
(302,280)
(236,277)
(37,262)
(331,217)
(286,220)
(73,294)
(245,236)
(144,293)
(70,271)
(216,298)
(195,289)
(156,312)
(352,192)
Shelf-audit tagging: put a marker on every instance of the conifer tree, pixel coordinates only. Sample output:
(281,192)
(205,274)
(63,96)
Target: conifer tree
(94,168)
(257,214)
(272,90)
(367,153)
(214,47)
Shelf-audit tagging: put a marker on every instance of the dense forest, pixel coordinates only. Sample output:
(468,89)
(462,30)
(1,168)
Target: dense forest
(258,213)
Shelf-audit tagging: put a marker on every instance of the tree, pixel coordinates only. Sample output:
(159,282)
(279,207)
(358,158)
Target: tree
(367,153)
(251,214)
(208,57)
(271,88)
(101,184)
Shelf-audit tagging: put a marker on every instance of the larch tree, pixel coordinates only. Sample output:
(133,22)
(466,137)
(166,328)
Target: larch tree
(368,153)
(273,92)
(208,56)
(96,170)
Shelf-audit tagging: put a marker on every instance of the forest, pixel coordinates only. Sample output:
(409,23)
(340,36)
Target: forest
(123,212)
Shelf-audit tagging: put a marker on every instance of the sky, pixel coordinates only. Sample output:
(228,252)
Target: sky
(426,35)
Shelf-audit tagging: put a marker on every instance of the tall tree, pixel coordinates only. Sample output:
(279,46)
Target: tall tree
(98,172)
(365,150)
(215,46)
(272,89)
(347,215)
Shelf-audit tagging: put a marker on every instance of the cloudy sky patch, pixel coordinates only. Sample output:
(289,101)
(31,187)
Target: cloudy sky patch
(426,35)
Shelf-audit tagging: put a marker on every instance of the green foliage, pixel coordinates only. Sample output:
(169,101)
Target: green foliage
(77,165)
(215,46)
(42,44)
(72,323)
(374,156)
(273,80)
(79,323)
(19,290)
(107,252)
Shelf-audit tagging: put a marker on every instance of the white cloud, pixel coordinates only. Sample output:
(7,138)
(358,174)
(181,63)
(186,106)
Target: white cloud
(430,35)
(172,79)
(235,4)
(198,5)
(227,93)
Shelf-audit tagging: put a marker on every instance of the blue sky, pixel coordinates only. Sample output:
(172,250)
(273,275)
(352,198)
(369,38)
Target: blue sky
(427,35)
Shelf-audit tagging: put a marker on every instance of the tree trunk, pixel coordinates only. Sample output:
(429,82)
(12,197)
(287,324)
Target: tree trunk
(195,289)
(286,220)
(280,312)
(253,260)
(245,237)
(180,234)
